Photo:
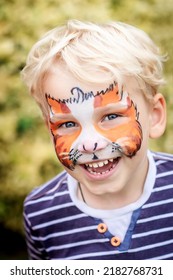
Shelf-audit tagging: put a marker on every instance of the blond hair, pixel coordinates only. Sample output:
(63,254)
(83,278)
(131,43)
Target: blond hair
(117,49)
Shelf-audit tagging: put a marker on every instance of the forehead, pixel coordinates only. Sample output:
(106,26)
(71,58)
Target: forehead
(60,84)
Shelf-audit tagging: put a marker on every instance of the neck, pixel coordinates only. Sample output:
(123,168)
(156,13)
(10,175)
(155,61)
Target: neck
(107,201)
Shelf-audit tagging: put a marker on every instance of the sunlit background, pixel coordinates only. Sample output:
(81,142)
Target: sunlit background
(27,157)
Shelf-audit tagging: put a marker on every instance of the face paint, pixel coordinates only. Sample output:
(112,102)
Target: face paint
(127,132)
(62,142)
(90,126)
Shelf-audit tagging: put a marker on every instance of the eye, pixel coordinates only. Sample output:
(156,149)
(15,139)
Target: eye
(68,125)
(110,117)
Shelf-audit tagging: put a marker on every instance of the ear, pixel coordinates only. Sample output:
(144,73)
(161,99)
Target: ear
(158,116)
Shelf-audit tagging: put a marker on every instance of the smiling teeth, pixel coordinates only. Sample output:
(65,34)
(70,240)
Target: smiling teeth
(99,164)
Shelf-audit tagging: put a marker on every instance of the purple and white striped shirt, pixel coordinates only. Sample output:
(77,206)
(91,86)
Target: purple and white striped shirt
(57,229)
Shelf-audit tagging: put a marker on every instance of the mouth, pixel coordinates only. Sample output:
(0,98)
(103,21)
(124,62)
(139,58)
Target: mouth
(101,168)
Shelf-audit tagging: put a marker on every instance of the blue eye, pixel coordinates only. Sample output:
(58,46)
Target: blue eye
(110,117)
(68,124)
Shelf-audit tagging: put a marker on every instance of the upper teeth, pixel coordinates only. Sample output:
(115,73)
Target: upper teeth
(99,164)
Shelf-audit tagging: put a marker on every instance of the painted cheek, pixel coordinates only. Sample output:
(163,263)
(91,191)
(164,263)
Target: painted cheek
(128,135)
(63,144)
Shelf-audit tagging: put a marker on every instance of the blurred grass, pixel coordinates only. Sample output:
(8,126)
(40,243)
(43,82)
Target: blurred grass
(27,157)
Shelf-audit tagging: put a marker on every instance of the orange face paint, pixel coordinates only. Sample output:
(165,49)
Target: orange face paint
(111,96)
(62,142)
(127,134)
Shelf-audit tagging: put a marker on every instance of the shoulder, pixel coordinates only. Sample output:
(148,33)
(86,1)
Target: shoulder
(41,195)
(164,167)
(162,156)
(163,161)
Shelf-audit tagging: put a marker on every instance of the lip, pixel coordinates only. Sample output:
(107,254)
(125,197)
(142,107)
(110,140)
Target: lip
(100,176)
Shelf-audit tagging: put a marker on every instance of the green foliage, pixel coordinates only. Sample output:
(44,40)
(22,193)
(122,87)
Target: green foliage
(25,124)
(27,157)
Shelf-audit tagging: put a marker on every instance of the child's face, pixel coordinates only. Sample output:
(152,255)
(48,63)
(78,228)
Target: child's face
(100,134)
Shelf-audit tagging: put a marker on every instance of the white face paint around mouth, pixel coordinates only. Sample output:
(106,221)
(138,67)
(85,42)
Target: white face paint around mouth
(98,158)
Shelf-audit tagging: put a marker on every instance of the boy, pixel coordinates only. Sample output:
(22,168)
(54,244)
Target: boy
(97,86)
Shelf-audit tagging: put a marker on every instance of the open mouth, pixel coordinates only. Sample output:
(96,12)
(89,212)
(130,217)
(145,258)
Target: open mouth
(101,167)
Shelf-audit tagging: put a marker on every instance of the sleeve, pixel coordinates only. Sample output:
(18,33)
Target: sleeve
(35,252)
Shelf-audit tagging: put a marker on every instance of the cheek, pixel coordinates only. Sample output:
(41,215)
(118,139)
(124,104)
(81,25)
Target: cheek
(128,136)
(128,129)
(63,144)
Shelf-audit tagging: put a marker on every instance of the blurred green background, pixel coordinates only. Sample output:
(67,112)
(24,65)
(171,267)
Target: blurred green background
(27,157)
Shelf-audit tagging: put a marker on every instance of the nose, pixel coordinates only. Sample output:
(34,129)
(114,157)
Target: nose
(92,146)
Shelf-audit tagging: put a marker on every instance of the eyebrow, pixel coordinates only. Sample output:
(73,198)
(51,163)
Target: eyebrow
(60,116)
(120,107)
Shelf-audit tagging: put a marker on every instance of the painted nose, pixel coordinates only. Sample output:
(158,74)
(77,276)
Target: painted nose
(89,146)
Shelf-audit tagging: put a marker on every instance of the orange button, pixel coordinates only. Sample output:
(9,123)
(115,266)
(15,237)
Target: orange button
(102,228)
(115,241)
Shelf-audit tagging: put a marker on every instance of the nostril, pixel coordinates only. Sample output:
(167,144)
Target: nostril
(95,146)
(90,146)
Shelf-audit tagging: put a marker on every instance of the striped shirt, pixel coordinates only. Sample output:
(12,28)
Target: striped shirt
(56,228)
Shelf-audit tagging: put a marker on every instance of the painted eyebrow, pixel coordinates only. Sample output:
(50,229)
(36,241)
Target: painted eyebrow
(120,107)
(58,117)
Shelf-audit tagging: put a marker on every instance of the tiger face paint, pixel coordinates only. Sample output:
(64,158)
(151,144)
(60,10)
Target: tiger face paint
(89,127)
